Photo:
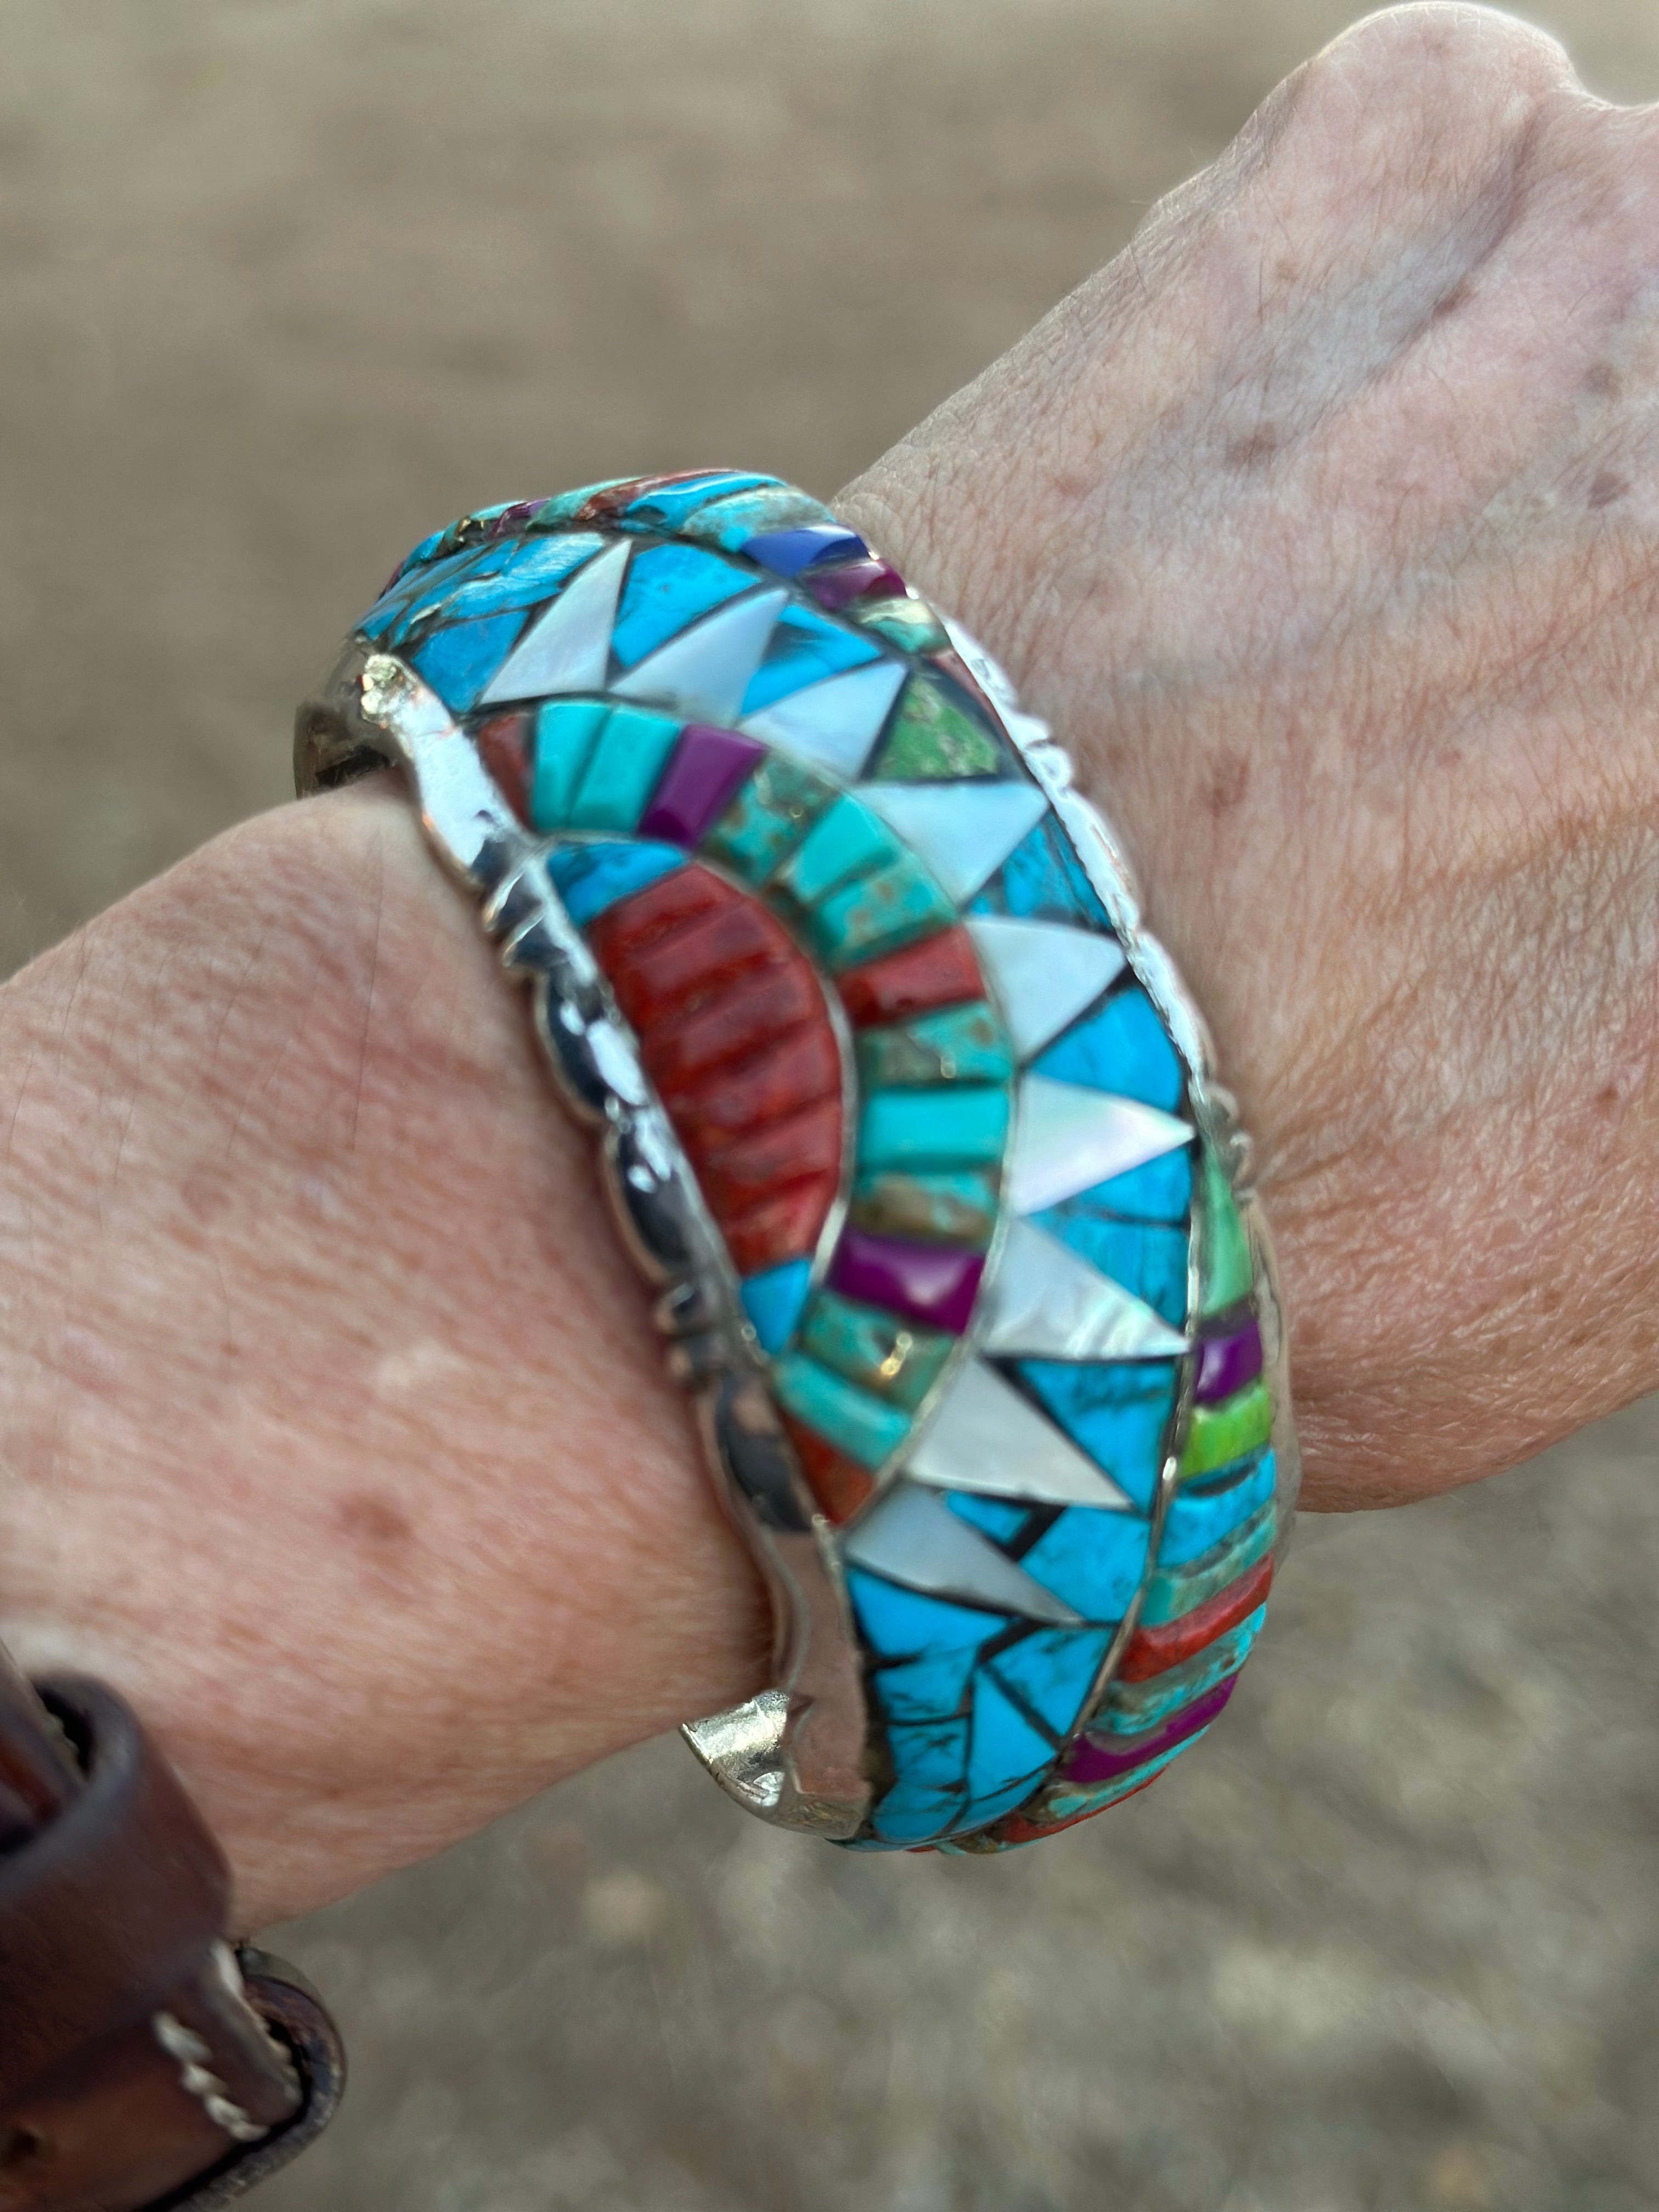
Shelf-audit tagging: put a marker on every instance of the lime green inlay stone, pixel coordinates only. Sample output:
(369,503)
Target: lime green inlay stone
(931,736)
(964,1044)
(565,731)
(1238,1424)
(767,818)
(897,1359)
(1225,1276)
(848,841)
(1174,1592)
(965,1126)
(953,1206)
(743,514)
(864,1427)
(880,912)
(623,769)
(911,624)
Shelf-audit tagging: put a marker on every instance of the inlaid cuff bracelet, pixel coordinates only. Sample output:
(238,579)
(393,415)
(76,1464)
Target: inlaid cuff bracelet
(909,1122)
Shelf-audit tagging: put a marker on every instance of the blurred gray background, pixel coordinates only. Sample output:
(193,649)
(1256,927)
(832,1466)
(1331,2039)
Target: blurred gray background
(285,283)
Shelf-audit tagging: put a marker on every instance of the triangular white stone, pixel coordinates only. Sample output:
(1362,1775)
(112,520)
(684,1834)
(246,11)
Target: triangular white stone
(911,1536)
(963,831)
(1044,973)
(703,673)
(569,648)
(1045,1303)
(1067,1139)
(833,725)
(985,1436)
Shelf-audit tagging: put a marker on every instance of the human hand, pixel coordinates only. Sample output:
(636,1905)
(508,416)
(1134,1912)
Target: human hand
(1318,525)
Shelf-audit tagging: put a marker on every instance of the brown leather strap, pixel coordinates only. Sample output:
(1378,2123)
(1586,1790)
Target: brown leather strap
(137,2068)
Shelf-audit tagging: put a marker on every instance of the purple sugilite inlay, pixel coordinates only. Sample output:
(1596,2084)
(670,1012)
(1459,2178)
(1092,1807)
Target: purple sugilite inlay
(928,1283)
(1226,1363)
(703,770)
(1090,1761)
(787,552)
(835,588)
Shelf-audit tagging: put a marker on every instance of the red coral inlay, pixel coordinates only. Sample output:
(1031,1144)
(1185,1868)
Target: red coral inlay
(1155,1651)
(735,1033)
(840,1485)
(940,971)
(503,747)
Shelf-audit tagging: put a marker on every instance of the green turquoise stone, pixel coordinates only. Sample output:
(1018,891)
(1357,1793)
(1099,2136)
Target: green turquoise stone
(910,625)
(848,841)
(897,1359)
(879,912)
(1225,1276)
(1133,1708)
(565,731)
(932,735)
(864,1427)
(553,514)
(623,769)
(1174,1592)
(964,1044)
(959,1127)
(767,818)
(1215,1434)
(951,1207)
(728,522)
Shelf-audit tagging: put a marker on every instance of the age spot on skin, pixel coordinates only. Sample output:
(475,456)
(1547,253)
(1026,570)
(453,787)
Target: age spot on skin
(1603,382)
(1609,486)
(1450,302)
(1229,781)
(1251,452)
(375,1522)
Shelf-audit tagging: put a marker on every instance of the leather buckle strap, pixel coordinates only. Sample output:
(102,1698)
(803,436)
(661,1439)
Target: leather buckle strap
(145,2066)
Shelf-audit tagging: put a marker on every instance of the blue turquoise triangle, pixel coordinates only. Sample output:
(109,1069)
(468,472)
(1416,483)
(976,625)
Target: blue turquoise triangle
(903,1623)
(458,660)
(1053,1670)
(773,1301)
(668,588)
(804,649)
(1005,1745)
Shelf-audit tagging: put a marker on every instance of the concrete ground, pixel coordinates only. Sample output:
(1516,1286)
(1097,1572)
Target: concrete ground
(287,282)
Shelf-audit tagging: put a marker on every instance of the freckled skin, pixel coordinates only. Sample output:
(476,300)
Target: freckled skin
(1324,526)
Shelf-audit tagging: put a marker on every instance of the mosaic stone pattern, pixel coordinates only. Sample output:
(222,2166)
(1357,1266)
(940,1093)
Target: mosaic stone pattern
(998,1274)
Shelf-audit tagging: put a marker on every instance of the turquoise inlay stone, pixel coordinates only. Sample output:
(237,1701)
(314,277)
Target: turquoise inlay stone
(1118,1411)
(669,505)
(902,1623)
(565,731)
(1145,1257)
(1042,881)
(459,660)
(929,1754)
(980,1812)
(1121,1049)
(805,648)
(591,877)
(422,589)
(962,1044)
(1173,1592)
(1133,1707)
(955,1206)
(773,1301)
(1198,1519)
(999,1518)
(728,522)
(880,912)
(846,841)
(911,1814)
(931,1689)
(897,1359)
(564,507)
(623,770)
(427,595)
(1161,1190)
(668,588)
(1052,1671)
(767,818)
(965,1125)
(1069,1804)
(534,570)
(1005,1746)
(1092,1559)
(866,1428)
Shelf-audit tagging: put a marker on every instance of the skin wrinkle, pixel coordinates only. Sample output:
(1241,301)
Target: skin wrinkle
(1413,665)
